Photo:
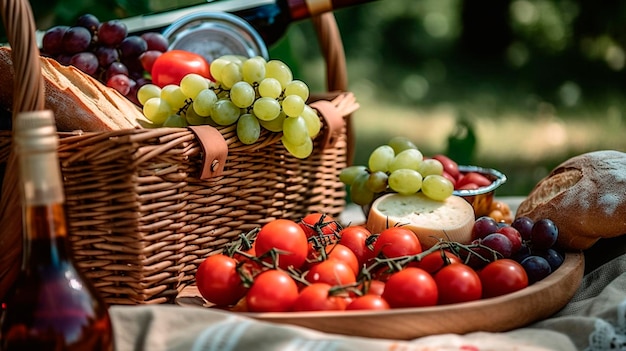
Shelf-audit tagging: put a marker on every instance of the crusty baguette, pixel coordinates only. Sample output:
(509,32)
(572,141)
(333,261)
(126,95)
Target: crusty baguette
(79,101)
(585,196)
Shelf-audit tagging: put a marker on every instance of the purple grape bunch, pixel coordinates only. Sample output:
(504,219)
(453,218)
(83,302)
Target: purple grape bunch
(106,51)
(530,243)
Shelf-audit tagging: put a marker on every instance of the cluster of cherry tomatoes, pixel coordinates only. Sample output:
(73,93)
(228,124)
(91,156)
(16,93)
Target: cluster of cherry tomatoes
(316,264)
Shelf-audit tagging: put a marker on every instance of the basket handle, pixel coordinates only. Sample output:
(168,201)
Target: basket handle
(29,90)
(331,47)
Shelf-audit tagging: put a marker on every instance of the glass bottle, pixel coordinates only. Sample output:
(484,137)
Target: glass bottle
(51,306)
(272,20)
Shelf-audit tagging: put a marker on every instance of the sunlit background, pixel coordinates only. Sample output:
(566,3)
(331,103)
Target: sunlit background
(518,85)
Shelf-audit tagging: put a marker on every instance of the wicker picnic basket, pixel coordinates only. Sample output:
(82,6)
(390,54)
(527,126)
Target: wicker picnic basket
(146,206)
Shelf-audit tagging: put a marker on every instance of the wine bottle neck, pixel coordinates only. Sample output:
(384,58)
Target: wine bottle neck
(301,9)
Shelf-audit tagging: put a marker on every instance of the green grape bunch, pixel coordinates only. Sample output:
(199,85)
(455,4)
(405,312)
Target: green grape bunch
(253,93)
(398,166)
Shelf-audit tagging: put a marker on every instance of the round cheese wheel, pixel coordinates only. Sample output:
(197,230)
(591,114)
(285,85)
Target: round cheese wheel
(429,219)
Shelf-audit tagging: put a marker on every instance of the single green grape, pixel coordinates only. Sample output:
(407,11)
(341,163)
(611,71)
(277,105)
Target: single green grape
(147,92)
(225,113)
(312,120)
(359,193)
(253,69)
(405,181)
(192,84)
(437,187)
(157,110)
(279,70)
(299,151)
(231,74)
(270,88)
(242,94)
(274,125)
(377,182)
(174,96)
(248,129)
(408,158)
(400,143)
(266,108)
(295,131)
(175,121)
(348,174)
(380,158)
(293,105)
(431,166)
(204,101)
(297,87)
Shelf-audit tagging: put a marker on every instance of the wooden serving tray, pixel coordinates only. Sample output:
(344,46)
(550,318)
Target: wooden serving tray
(498,314)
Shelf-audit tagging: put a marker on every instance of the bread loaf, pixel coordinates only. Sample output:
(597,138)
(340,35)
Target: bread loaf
(429,219)
(79,101)
(585,196)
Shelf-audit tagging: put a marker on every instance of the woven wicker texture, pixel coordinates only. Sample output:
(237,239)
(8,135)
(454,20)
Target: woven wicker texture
(140,217)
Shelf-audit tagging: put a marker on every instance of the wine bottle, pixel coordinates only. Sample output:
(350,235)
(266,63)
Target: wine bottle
(272,20)
(51,306)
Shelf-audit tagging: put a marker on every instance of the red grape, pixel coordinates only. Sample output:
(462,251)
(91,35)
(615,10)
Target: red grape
(89,21)
(85,61)
(156,41)
(524,225)
(536,268)
(106,55)
(132,46)
(112,32)
(52,41)
(119,82)
(76,39)
(499,243)
(484,226)
(114,69)
(544,234)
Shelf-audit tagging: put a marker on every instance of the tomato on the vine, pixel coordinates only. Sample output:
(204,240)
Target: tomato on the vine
(333,272)
(368,302)
(218,281)
(397,242)
(287,238)
(345,255)
(436,260)
(272,291)
(502,276)
(315,221)
(410,287)
(354,237)
(318,297)
(458,283)
(171,66)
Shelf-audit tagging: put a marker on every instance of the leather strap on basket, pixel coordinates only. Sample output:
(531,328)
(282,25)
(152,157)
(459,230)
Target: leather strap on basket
(333,120)
(214,149)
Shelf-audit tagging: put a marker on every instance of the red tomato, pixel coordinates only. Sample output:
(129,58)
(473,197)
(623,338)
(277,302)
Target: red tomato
(272,291)
(333,272)
(315,297)
(458,283)
(218,280)
(171,66)
(288,238)
(376,287)
(368,302)
(434,261)
(397,242)
(354,237)
(502,277)
(411,287)
(316,223)
(473,178)
(345,255)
